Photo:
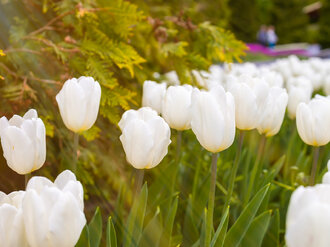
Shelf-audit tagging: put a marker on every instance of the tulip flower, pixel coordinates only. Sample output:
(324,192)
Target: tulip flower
(145,137)
(23,141)
(153,94)
(326,176)
(313,121)
(247,92)
(176,107)
(12,231)
(213,118)
(308,217)
(300,90)
(272,78)
(52,213)
(79,101)
(271,111)
(213,122)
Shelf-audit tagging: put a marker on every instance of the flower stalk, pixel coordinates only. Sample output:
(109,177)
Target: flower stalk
(234,170)
(75,152)
(316,153)
(210,208)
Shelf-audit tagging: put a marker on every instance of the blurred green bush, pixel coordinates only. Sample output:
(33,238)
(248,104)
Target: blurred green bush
(120,44)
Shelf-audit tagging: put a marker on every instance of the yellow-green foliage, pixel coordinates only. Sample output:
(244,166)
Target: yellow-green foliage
(47,42)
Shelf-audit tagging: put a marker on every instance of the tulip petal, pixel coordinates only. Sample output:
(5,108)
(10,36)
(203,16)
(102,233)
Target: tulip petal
(137,142)
(18,150)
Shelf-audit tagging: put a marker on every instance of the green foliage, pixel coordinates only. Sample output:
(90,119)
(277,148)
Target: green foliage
(244,24)
(289,29)
(324,24)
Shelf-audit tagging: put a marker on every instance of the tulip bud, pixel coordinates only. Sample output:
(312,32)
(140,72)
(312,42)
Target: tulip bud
(313,121)
(300,90)
(12,232)
(23,141)
(247,92)
(272,110)
(52,214)
(79,101)
(145,137)
(213,118)
(176,107)
(153,94)
(308,217)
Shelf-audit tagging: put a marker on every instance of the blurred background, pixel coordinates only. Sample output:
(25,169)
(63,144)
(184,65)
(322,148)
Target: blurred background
(122,44)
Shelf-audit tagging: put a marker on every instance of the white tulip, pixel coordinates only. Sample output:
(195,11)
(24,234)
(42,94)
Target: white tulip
(313,121)
(176,107)
(326,176)
(79,101)
(66,182)
(247,92)
(308,217)
(145,137)
(300,90)
(52,214)
(12,232)
(273,78)
(213,118)
(326,85)
(23,141)
(272,110)
(153,94)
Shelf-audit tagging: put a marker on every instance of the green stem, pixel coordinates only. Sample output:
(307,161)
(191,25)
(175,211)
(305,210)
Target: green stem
(178,146)
(75,152)
(256,169)
(316,152)
(177,162)
(138,181)
(27,178)
(196,177)
(234,171)
(210,208)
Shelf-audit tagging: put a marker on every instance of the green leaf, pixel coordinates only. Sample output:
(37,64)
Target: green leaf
(84,238)
(273,234)
(152,232)
(95,229)
(92,133)
(136,218)
(202,238)
(257,230)
(168,227)
(219,236)
(242,224)
(111,234)
(176,49)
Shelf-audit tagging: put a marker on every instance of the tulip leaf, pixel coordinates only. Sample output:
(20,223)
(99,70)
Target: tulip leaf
(274,171)
(257,230)
(169,222)
(152,232)
(273,234)
(95,229)
(84,238)
(203,232)
(111,234)
(242,224)
(135,219)
(219,236)
(190,228)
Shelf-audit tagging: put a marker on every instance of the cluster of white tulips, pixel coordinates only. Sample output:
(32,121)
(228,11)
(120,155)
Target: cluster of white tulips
(246,97)
(46,214)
